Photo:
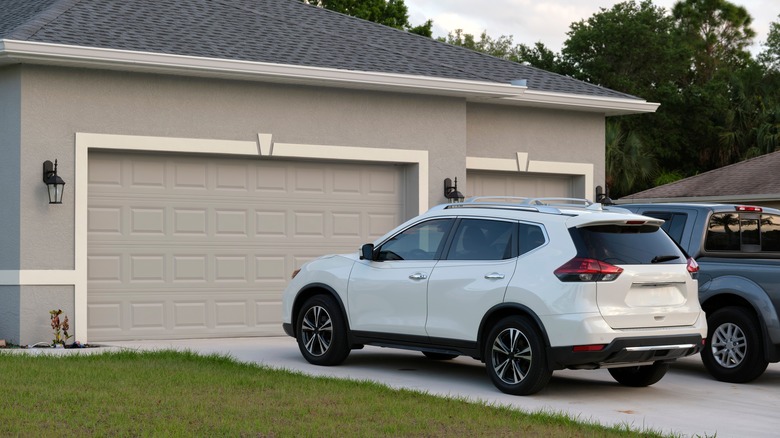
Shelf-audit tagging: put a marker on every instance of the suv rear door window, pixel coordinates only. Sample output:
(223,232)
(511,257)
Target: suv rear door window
(531,237)
(628,245)
(483,239)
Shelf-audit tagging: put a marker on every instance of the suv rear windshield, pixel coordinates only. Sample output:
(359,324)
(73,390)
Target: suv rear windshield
(746,232)
(628,245)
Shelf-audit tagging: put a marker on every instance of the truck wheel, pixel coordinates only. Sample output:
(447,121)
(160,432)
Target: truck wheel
(639,376)
(322,332)
(515,358)
(734,351)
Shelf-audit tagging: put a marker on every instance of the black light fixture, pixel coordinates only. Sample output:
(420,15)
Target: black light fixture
(603,197)
(451,191)
(54,183)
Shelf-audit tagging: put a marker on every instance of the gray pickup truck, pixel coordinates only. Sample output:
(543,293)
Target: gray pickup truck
(738,252)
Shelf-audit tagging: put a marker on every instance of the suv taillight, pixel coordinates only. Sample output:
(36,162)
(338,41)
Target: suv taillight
(585,269)
(693,268)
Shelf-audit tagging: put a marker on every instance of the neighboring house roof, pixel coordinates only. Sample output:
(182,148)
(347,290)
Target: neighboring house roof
(754,179)
(278,32)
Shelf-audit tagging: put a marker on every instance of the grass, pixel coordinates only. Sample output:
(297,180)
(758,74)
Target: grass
(171,393)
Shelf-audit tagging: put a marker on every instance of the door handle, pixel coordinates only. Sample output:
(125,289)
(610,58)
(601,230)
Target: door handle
(418,276)
(494,276)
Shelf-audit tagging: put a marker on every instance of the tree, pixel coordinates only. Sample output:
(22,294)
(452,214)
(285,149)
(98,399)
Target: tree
(392,13)
(631,48)
(630,165)
(719,33)
(634,47)
(538,56)
(770,57)
(541,57)
(724,83)
(500,48)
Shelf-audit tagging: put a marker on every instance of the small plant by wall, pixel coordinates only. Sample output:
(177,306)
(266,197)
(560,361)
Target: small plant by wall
(60,328)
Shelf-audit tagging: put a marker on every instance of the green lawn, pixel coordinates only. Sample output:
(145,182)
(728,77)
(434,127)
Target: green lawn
(183,394)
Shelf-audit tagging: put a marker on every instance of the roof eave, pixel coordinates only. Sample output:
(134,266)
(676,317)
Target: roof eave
(16,52)
(719,199)
(576,102)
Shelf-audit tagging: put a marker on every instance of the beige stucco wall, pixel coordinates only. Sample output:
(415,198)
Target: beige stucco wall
(10,138)
(499,131)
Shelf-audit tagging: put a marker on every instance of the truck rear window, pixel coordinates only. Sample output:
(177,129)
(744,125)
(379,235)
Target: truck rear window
(628,245)
(746,232)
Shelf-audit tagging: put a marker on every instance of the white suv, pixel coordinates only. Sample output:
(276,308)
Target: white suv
(527,286)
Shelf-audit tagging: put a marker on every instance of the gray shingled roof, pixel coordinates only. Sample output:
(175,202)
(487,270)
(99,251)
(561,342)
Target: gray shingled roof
(756,176)
(285,32)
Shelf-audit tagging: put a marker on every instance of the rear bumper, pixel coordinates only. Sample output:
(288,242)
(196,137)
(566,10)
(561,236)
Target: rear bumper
(627,351)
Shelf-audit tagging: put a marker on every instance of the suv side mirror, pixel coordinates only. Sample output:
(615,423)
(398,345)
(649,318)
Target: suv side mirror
(367,252)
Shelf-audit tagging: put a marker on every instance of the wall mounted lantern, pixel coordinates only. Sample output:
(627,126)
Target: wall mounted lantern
(602,197)
(54,183)
(451,191)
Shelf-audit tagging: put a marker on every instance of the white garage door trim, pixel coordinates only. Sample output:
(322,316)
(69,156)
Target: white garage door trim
(263,147)
(522,164)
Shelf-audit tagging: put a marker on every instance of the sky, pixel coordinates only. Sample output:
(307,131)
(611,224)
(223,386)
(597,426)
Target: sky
(529,21)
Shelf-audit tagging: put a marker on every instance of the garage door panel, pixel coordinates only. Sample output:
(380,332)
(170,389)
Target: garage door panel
(190,175)
(147,268)
(308,181)
(147,221)
(230,223)
(271,270)
(104,172)
(147,174)
(105,220)
(232,177)
(104,268)
(209,254)
(147,315)
(188,222)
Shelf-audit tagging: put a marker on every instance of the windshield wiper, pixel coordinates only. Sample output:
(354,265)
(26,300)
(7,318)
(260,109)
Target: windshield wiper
(664,258)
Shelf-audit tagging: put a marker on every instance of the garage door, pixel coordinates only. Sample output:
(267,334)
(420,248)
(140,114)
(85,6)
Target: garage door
(481,183)
(187,247)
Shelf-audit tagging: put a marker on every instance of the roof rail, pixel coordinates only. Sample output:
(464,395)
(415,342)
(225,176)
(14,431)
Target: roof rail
(502,206)
(550,202)
(560,201)
(544,205)
(494,199)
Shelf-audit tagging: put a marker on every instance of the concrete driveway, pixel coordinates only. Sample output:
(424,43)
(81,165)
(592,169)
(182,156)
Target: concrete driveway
(687,401)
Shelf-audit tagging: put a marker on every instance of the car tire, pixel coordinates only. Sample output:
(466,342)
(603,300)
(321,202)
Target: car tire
(515,357)
(321,331)
(640,376)
(439,356)
(734,350)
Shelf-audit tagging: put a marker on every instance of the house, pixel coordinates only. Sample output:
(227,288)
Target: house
(751,181)
(210,148)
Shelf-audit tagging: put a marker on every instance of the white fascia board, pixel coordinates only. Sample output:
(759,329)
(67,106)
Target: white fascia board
(14,52)
(609,106)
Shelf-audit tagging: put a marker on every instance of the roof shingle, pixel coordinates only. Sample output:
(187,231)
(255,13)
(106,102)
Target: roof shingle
(285,32)
(756,176)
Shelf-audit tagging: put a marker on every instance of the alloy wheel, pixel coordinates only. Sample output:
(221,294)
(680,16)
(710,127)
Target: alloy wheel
(512,356)
(317,330)
(729,345)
